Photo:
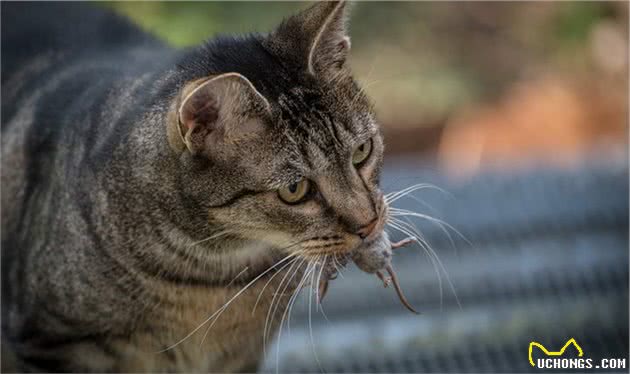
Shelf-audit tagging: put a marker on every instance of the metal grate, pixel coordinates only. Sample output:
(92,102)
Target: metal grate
(548,262)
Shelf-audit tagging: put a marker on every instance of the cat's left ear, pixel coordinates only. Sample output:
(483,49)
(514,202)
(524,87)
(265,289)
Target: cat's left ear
(216,112)
(318,35)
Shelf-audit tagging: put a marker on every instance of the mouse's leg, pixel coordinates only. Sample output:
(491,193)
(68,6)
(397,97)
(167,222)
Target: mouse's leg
(386,280)
(402,243)
(323,287)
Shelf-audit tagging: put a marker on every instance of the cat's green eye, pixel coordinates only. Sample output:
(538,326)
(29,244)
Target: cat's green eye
(295,192)
(362,152)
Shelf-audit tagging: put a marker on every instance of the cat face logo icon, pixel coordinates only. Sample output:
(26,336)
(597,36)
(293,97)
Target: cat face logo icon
(554,353)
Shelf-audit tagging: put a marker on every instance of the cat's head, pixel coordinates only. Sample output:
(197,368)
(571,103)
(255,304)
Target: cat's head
(276,140)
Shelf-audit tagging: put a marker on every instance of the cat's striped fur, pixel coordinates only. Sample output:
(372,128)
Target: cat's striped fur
(117,239)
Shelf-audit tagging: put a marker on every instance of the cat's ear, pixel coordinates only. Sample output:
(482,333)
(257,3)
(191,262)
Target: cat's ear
(319,35)
(219,110)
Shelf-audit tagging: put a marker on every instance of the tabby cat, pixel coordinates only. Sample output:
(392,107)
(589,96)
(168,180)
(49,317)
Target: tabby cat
(143,187)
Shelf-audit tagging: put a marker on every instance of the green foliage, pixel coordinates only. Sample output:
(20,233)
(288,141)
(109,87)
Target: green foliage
(188,23)
(574,21)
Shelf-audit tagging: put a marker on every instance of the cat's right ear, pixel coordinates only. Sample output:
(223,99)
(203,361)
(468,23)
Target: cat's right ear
(316,38)
(216,112)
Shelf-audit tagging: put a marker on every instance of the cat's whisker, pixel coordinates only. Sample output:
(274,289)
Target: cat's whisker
(221,309)
(337,265)
(267,318)
(421,202)
(266,328)
(281,294)
(389,195)
(393,196)
(319,279)
(309,268)
(212,324)
(396,225)
(418,237)
(321,269)
(310,320)
(218,312)
(269,281)
(438,222)
(294,298)
(237,275)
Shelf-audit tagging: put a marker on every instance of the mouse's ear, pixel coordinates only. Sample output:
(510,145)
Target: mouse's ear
(316,37)
(219,111)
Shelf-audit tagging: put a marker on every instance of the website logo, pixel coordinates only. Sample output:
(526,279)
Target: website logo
(554,359)
(554,353)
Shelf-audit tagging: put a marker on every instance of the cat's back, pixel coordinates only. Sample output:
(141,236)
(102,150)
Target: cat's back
(75,29)
(75,78)
(72,74)
(72,43)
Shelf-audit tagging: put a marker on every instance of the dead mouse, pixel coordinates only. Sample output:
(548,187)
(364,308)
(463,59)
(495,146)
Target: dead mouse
(374,258)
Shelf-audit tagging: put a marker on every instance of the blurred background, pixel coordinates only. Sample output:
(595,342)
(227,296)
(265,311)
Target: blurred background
(518,112)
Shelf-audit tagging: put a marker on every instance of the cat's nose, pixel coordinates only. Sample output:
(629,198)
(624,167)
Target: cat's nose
(366,230)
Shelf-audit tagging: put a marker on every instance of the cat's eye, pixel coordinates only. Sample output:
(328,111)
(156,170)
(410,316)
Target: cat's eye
(295,192)
(362,152)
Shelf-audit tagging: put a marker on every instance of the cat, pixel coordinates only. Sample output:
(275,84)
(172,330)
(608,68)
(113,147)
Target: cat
(146,189)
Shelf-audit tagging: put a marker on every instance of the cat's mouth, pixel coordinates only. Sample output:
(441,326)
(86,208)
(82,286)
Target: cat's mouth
(343,245)
(372,258)
(372,254)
